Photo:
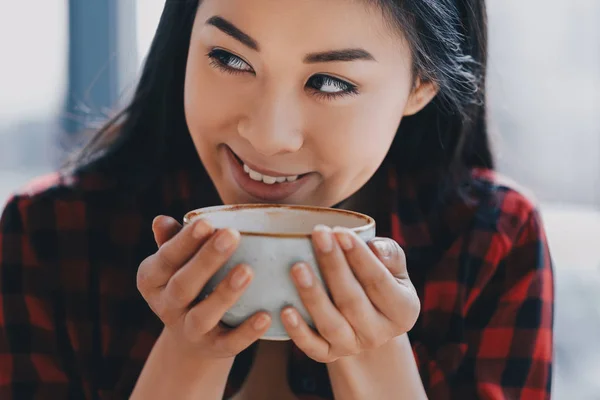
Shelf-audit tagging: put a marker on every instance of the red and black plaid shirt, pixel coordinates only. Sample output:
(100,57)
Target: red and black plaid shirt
(73,325)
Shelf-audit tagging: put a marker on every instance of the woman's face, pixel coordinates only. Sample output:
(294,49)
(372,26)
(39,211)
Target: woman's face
(296,101)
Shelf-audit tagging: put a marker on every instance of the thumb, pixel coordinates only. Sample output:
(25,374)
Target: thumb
(391,255)
(164,228)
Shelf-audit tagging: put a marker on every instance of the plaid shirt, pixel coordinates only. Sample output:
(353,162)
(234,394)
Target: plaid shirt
(73,325)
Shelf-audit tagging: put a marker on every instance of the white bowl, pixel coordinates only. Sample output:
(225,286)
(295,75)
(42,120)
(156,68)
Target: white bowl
(273,239)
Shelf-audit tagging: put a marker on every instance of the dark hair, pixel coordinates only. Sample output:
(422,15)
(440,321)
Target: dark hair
(448,39)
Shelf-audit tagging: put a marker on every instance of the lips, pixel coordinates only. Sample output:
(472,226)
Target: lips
(264,185)
(278,177)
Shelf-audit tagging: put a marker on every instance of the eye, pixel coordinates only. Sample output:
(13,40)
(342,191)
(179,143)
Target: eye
(331,87)
(228,62)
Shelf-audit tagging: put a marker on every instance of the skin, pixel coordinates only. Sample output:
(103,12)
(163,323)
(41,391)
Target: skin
(276,111)
(272,111)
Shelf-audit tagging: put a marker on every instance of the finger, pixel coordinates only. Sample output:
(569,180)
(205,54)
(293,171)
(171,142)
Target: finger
(307,340)
(391,255)
(382,288)
(184,286)
(234,341)
(164,229)
(394,259)
(172,255)
(204,316)
(328,320)
(347,293)
(184,245)
(155,271)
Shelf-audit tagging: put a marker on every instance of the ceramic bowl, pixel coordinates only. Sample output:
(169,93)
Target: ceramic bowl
(273,239)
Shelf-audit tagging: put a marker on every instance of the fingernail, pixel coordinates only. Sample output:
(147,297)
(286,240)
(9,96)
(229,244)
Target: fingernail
(225,240)
(239,278)
(201,230)
(322,235)
(343,238)
(291,317)
(261,322)
(383,248)
(303,275)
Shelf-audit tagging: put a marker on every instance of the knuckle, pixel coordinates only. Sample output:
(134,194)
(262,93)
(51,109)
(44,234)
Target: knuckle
(349,305)
(376,280)
(223,294)
(165,260)
(350,344)
(417,310)
(224,345)
(143,277)
(370,340)
(335,330)
(311,296)
(407,324)
(345,349)
(402,323)
(327,359)
(311,293)
(407,316)
(196,324)
(351,349)
(177,291)
(397,251)
(163,312)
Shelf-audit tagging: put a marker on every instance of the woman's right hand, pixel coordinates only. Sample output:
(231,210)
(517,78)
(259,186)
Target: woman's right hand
(171,279)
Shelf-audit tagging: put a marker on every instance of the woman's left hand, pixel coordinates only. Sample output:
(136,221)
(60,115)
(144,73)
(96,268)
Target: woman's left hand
(372,298)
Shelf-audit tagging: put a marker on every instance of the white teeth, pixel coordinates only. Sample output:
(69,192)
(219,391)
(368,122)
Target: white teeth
(255,176)
(269,180)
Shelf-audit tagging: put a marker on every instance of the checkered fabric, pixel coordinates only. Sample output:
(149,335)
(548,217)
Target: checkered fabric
(73,325)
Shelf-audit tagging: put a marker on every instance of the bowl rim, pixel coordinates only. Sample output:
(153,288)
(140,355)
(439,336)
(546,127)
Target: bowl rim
(194,214)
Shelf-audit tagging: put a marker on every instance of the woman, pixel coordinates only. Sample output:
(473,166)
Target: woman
(376,106)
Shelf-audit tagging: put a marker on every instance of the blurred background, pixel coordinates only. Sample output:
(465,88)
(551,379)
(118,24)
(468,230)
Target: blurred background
(67,64)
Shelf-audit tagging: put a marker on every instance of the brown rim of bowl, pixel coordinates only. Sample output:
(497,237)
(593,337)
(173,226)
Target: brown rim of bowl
(369,221)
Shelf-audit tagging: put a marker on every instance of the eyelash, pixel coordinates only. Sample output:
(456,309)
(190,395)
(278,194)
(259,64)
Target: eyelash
(220,59)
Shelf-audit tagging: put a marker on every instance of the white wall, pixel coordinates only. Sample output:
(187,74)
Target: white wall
(148,15)
(544,92)
(33,71)
(33,76)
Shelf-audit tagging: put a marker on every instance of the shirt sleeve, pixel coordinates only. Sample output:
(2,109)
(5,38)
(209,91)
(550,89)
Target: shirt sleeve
(34,352)
(505,347)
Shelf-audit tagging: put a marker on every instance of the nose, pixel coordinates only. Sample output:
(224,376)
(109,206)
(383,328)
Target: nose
(274,124)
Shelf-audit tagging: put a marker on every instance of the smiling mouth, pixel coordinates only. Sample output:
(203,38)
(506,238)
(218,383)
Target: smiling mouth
(263,177)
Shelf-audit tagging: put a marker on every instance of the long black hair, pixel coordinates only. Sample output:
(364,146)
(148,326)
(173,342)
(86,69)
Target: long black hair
(448,39)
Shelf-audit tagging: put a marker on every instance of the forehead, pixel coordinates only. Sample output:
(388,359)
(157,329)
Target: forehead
(310,25)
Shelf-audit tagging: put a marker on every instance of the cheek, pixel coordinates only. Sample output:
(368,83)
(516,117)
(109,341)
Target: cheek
(357,137)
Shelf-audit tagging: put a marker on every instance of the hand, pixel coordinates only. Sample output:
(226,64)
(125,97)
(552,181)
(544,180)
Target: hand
(171,279)
(372,298)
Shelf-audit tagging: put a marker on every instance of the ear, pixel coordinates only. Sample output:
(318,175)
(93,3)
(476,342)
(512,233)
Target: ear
(420,96)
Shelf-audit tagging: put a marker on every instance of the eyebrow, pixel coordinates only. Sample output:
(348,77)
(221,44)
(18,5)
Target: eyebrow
(313,58)
(230,29)
(338,55)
